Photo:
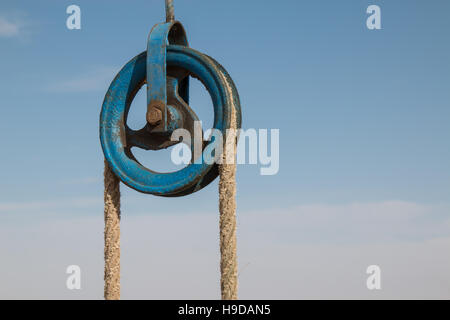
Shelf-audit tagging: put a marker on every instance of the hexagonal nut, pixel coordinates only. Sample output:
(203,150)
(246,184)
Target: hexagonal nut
(154,116)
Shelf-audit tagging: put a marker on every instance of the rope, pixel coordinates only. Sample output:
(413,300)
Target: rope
(112,235)
(227,224)
(170,12)
(227,221)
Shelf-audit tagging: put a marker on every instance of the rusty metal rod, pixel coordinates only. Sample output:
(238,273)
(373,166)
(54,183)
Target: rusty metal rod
(170,12)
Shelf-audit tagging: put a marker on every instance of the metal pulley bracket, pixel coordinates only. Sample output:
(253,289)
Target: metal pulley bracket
(160,118)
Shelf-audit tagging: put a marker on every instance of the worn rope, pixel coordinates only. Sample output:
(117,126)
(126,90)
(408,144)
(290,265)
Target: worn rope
(227,221)
(112,235)
(170,12)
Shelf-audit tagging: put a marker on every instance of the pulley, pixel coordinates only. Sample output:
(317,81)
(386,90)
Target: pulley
(165,68)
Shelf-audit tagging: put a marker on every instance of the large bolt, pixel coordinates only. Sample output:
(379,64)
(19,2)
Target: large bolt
(154,116)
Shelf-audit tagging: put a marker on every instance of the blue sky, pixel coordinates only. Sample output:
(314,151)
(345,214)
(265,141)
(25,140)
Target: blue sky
(363,118)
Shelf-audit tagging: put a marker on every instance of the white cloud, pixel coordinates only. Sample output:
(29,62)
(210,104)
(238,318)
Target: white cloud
(9,28)
(96,79)
(364,222)
(39,206)
(314,251)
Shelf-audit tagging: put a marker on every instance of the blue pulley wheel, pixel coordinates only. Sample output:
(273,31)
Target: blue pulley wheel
(165,67)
